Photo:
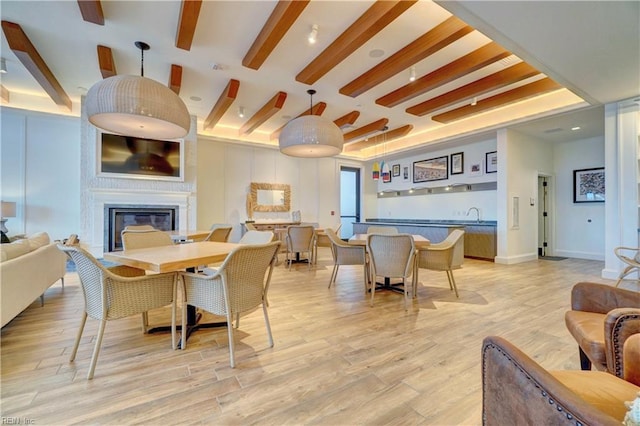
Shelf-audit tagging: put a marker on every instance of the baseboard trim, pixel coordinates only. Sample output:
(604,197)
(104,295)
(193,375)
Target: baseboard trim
(512,260)
(580,255)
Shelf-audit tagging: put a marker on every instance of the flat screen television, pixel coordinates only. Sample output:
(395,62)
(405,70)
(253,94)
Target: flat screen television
(132,157)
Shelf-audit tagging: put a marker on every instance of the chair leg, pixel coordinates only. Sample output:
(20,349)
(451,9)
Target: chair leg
(452,282)
(42,300)
(366,277)
(266,321)
(333,275)
(173,316)
(373,285)
(96,349)
(78,336)
(624,273)
(237,319)
(183,321)
(62,281)
(145,322)
(232,360)
(585,362)
(406,294)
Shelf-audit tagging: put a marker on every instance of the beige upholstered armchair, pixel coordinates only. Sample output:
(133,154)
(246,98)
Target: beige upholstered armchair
(118,292)
(446,255)
(518,391)
(219,233)
(601,319)
(257,237)
(138,239)
(239,286)
(300,239)
(391,257)
(346,254)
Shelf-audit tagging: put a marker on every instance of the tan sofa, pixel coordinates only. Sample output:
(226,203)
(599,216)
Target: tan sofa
(28,267)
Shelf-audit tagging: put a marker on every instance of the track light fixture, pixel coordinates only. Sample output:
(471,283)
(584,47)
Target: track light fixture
(3,65)
(412,73)
(313,35)
(241,112)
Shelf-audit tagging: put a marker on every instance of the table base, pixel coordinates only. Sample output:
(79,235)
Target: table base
(193,324)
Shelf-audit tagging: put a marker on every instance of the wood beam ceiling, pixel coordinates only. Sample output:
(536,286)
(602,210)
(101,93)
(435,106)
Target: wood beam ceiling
(317,109)
(225,100)
(442,35)
(377,17)
(521,93)
(26,52)
(479,58)
(175,78)
(378,139)
(491,82)
(283,16)
(91,11)
(189,13)
(367,129)
(347,119)
(274,105)
(106,62)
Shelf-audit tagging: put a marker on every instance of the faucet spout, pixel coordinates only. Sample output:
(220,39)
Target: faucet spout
(477,213)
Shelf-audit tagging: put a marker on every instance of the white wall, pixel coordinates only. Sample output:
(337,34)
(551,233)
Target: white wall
(40,158)
(580,227)
(226,170)
(436,206)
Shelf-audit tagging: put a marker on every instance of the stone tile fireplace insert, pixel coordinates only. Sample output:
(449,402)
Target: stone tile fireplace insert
(117,217)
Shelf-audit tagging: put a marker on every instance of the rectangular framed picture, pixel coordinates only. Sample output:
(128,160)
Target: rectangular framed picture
(396,170)
(491,163)
(431,169)
(405,173)
(457,163)
(588,185)
(475,169)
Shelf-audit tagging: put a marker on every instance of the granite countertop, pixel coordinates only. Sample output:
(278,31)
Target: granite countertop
(431,222)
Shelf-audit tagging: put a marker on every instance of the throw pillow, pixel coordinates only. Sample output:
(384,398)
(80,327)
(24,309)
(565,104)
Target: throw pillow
(4,238)
(15,249)
(39,239)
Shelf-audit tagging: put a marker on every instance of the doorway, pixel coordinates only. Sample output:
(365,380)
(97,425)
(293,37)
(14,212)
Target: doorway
(544,216)
(349,200)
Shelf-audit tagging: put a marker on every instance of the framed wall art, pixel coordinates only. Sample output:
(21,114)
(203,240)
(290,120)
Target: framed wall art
(475,169)
(457,163)
(491,162)
(588,185)
(405,173)
(395,171)
(431,169)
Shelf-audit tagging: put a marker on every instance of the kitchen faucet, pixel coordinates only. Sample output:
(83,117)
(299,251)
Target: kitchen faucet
(477,211)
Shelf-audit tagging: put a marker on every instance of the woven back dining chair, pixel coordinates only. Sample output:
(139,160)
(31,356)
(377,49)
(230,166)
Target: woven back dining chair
(118,292)
(239,286)
(257,237)
(219,233)
(391,257)
(300,239)
(346,254)
(138,239)
(446,255)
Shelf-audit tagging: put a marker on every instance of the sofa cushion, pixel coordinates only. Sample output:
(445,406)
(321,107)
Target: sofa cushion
(39,239)
(608,396)
(588,330)
(14,249)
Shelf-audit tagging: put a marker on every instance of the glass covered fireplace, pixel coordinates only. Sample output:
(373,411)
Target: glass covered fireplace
(117,217)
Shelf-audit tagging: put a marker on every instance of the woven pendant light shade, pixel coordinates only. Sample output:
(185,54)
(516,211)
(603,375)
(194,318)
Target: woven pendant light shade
(137,106)
(311,136)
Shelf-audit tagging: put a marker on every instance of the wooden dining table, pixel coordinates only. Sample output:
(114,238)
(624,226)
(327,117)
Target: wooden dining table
(172,258)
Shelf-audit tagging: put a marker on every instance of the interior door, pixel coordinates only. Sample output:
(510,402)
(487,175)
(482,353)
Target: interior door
(349,200)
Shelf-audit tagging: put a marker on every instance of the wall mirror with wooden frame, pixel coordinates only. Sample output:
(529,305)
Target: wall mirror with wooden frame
(270,197)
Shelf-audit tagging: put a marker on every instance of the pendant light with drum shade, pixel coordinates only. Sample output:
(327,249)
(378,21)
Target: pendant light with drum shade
(137,106)
(311,136)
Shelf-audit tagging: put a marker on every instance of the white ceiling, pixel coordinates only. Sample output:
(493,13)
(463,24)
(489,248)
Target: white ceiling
(591,48)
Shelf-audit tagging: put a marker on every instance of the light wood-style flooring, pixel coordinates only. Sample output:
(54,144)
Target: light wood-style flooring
(336,360)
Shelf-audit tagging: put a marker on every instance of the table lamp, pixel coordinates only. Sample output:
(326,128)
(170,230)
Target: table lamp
(7,209)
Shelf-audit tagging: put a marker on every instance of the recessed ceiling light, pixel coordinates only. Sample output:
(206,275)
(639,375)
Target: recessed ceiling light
(575,128)
(217,67)
(376,53)
(195,98)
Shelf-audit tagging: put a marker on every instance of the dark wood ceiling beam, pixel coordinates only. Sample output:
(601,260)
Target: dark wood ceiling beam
(379,139)
(26,52)
(91,11)
(479,58)
(225,100)
(378,16)
(189,13)
(175,78)
(347,119)
(106,62)
(440,36)
(521,93)
(281,19)
(4,94)
(317,109)
(491,82)
(274,105)
(365,130)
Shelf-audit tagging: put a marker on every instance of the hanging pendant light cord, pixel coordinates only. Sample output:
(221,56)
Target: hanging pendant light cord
(141,63)
(311,92)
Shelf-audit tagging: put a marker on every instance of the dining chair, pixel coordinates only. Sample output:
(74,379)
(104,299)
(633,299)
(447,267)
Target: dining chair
(300,239)
(322,240)
(257,237)
(250,226)
(385,230)
(446,255)
(239,286)
(118,292)
(219,233)
(391,257)
(139,228)
(630,256)
(347,254)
